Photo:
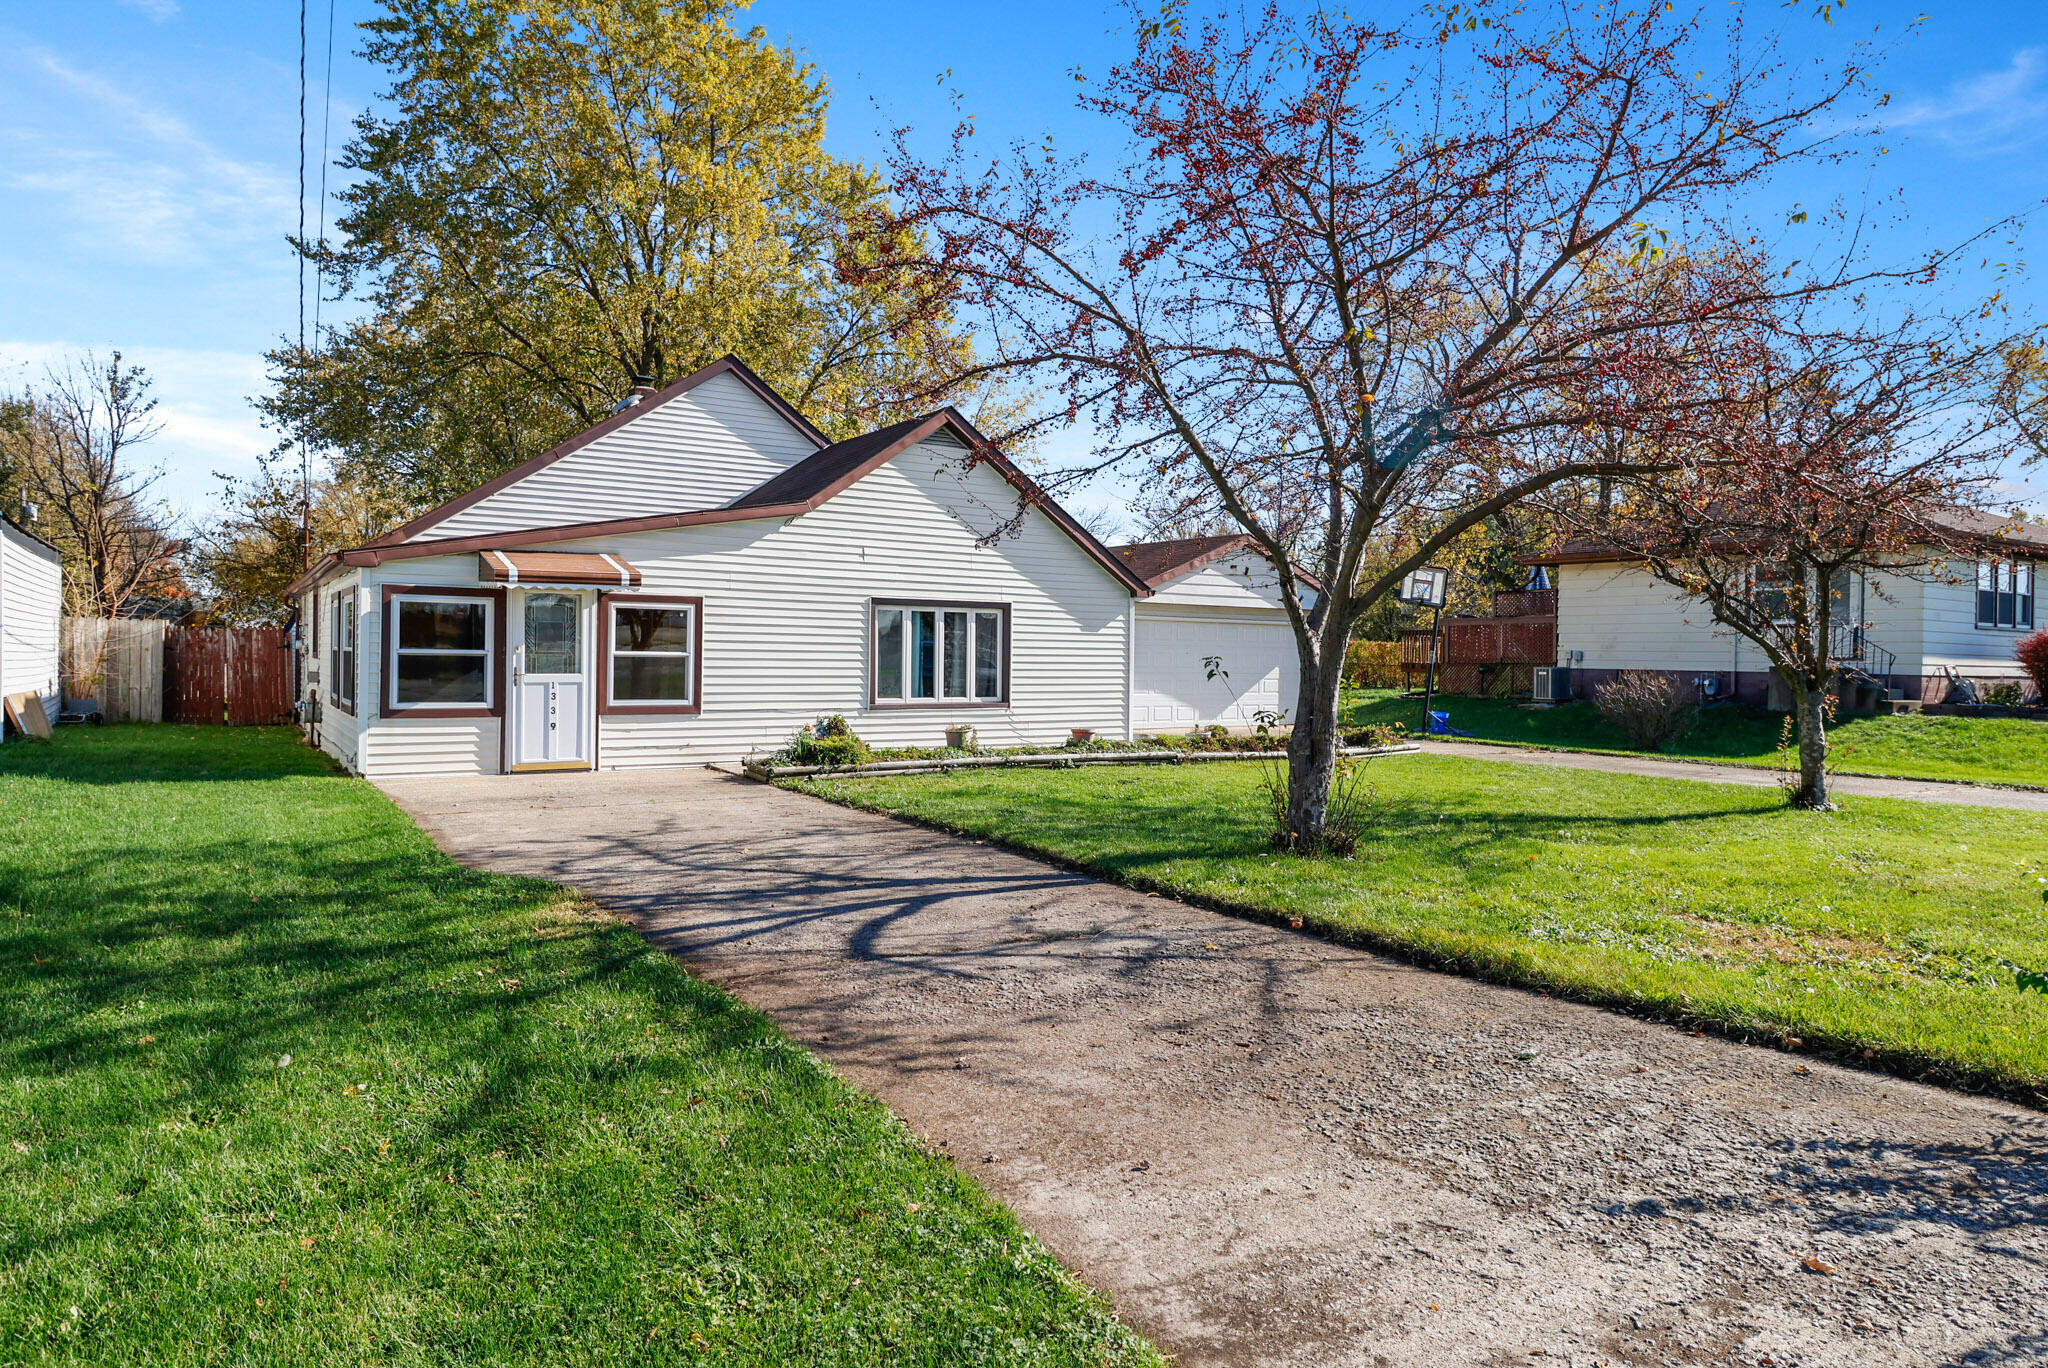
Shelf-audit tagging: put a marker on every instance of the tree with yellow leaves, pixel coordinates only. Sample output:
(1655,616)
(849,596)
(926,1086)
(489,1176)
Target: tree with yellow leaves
(561,195)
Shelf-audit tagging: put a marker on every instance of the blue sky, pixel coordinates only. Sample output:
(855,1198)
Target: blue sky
(148,156)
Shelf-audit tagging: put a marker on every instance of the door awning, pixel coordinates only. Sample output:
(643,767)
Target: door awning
(557,567)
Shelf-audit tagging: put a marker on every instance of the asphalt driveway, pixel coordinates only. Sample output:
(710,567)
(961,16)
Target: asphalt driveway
(1270,1150)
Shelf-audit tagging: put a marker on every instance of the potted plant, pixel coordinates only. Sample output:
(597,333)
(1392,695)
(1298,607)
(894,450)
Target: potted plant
(1083,735)
(960,738)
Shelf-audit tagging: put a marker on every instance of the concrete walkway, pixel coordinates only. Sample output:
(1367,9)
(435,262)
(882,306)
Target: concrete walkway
(1270,1150)
(1921,790)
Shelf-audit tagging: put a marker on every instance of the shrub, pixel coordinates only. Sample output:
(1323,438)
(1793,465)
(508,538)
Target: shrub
(2006,695)
(831,742)
(1354,809)
(1373,665)
(1651,708)
(2032,652)
(1377,736)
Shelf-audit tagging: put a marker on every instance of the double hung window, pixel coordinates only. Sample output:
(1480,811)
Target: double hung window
(341,655)
(653,654)
(442,652)
(2005,594)
(940,653)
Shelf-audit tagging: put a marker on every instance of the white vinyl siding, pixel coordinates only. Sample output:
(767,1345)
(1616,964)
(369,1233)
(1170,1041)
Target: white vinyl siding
(1952,636)
(337,731)
(416,745)
(1245,582)
(1625,618)
(31,610)
(786,624)
(699,450)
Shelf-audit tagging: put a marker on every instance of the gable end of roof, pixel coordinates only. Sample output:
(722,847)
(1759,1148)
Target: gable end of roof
(791,493)
(725,365)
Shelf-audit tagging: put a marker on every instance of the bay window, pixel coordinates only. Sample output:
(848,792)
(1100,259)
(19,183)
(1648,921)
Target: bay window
(651,654)
(442,652)
(935,654)
(2005,594)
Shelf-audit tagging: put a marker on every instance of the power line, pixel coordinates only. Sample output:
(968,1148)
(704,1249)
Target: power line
(326,117)
(305,460)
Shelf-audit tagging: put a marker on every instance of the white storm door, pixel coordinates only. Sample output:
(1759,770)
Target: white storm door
(551,697)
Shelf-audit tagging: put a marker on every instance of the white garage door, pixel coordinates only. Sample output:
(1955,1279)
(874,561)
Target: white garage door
(1259,671)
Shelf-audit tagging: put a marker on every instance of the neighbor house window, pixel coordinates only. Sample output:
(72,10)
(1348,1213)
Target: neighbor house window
(2005,594)
(940,653)
(341,655)
(1776,593)
(442,652)
(652,648)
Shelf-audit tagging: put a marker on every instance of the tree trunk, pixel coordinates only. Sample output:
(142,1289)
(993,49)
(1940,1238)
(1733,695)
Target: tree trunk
(1312,754)
(1810,704)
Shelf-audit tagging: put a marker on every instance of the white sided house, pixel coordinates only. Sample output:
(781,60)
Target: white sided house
(702,574)
(31,611)
(1910,633)
(1215,647)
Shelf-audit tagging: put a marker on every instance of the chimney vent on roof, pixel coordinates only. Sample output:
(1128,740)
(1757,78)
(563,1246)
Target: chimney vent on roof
(643,389)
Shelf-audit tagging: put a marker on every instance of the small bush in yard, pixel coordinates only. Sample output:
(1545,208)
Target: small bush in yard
(831,742)
(2032,652)
(1376,735)
(1649,707)
(1355,808)
(2006,695)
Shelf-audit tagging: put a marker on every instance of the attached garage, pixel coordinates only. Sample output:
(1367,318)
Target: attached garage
(1213,646)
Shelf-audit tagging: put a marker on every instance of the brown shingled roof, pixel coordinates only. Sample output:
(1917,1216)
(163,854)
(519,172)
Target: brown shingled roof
(1160,561)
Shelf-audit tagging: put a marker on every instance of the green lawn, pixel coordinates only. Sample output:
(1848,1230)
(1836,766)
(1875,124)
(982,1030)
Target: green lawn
(283,1085)
(1914,931)
(1978,750)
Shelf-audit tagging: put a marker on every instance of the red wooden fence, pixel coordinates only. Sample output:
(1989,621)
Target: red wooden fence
(238,675)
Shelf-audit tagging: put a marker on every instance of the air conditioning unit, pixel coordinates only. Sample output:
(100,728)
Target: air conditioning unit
(1553,684)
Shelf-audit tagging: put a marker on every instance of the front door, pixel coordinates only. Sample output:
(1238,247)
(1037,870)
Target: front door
(551,683)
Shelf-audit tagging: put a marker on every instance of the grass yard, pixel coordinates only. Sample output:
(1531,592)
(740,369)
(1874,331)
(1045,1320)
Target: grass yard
(1915,932)
(283,1085)
(1978,750)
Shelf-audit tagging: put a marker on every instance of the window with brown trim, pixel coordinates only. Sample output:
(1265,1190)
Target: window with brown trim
(937,654)
(650,651)
(341,667)
(443,652)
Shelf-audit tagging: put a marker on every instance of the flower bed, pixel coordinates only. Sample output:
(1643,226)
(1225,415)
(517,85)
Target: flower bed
(765,768)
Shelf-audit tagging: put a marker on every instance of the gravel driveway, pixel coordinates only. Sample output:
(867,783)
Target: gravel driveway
(1269,1150)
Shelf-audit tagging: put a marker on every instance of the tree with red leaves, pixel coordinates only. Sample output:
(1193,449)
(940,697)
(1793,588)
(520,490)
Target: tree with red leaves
(1348,273)
(1823,466)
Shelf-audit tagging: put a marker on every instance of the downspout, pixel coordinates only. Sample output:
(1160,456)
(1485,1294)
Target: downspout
(1131,672)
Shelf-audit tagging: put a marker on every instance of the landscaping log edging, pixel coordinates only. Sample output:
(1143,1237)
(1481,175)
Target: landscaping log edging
(766,774)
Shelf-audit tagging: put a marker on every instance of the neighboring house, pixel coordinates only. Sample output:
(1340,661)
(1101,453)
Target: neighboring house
(31,611)
(1214,644)
(1907,631)
(700,575)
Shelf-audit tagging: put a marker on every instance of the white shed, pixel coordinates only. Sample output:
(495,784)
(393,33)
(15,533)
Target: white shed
(31,605)
(1214,646)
